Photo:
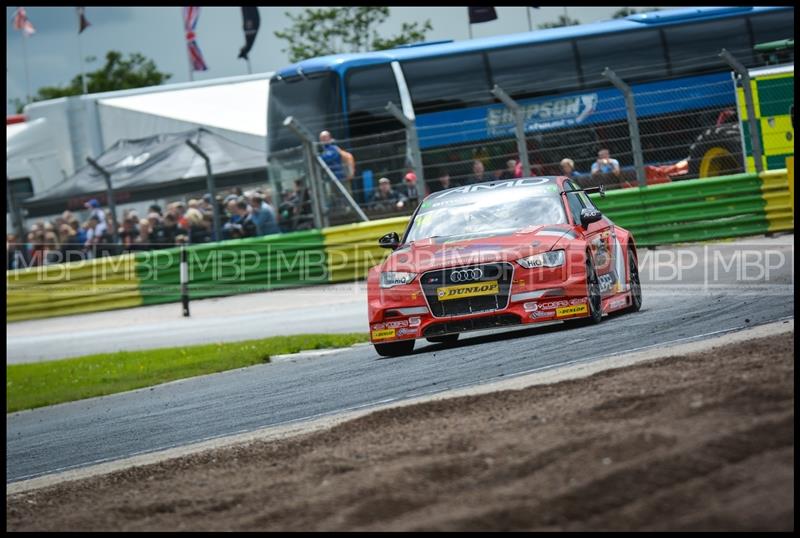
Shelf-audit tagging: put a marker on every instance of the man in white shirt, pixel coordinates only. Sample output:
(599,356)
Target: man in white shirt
(605,164)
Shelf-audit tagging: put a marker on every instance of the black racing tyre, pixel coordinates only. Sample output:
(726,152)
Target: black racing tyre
(634,282)
(444,339)
(395,349)
(716,152)
(595,298)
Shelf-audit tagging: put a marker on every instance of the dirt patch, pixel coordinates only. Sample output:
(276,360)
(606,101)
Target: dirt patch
(701,442)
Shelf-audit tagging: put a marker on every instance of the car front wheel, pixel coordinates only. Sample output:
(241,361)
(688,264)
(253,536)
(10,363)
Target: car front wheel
(594,297)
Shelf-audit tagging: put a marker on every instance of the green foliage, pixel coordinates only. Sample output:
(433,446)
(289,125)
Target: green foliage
(318,32)
(51,382)
(118,73)
(563,20)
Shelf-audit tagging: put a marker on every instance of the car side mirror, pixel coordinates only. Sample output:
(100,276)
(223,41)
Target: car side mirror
(589,216)
(390,240)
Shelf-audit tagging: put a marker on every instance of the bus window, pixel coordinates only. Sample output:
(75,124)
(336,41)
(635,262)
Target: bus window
(694,48)
(772,26)
(368,91)
(447,82)
(535,70)
(313,100)
(631,55)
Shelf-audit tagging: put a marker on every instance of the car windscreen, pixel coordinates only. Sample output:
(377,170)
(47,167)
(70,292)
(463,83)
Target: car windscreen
(488,209)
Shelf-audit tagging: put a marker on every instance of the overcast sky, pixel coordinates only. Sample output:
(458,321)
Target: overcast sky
(157,32)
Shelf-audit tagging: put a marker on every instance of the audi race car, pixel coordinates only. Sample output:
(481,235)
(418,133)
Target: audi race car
(496,254)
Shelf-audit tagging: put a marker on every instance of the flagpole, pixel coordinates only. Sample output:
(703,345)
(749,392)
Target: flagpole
(249,67)
(469,25)
(27,77)
(528,12)
(83,70)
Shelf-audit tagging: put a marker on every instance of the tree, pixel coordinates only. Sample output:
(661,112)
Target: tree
(625,11)
(317,32)
(117,74)
(563,20)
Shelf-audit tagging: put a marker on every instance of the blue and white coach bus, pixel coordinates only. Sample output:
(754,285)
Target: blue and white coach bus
(555,74)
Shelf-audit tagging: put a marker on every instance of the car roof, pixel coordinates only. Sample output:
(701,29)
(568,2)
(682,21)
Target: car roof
(558,181)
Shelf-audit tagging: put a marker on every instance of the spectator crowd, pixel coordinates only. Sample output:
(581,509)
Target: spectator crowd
(66,238)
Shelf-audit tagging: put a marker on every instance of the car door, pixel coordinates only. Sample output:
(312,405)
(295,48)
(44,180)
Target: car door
(601,239)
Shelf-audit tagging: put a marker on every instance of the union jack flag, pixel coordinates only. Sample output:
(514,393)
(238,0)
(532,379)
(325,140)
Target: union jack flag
(21,22)
(190,16)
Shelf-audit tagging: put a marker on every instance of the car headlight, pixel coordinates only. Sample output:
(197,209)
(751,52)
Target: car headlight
(392,278)
(554,258)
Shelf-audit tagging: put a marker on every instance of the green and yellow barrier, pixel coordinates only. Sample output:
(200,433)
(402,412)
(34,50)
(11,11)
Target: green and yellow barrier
(70,288)
(352,249)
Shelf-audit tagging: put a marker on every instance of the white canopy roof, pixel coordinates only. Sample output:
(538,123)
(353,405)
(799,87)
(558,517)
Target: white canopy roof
(236,106)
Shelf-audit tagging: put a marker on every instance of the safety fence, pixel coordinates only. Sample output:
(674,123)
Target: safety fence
(680,211)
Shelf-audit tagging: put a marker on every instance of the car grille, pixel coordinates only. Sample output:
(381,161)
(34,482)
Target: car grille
(471,324)
(453,276)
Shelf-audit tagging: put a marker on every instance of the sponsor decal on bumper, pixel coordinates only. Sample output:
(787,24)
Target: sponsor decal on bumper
(571,310)
(542,314)
(448,293)
(406,332)
(383,334)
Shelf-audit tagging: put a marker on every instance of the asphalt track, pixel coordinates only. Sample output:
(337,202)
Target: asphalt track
(707,298)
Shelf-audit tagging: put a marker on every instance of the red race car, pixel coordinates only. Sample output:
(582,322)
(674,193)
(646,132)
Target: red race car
(496,254)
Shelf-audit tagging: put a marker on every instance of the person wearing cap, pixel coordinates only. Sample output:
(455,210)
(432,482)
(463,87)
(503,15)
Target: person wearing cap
(386,198)
(409,189)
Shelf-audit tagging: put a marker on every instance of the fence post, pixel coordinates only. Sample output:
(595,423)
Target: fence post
(752,121)
(184,282)
(320,216)
(519,126)
(212,191)
(342,189)
(110,195)
(633,124)
(412,140)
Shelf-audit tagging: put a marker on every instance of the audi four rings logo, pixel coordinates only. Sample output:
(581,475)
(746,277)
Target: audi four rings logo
(465,275)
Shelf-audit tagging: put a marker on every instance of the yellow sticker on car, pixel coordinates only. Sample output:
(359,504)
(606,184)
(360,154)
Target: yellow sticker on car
(570,310)
(461,291)
(384,333)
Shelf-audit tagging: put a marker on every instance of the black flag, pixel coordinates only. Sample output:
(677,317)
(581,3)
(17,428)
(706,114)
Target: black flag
(83,24)
(251,23)
(481,14)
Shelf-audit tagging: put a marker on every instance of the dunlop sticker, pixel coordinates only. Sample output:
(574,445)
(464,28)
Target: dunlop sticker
(468,290)
(385,333)
(570,310)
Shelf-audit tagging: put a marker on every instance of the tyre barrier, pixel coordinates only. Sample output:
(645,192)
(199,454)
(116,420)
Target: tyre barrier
(675,212)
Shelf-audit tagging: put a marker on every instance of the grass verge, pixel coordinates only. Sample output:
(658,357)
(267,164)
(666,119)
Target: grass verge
(51,382)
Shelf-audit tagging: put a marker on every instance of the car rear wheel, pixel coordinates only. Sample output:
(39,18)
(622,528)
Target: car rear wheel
(395,349)
(634,283)
(594,296)
(444,339)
